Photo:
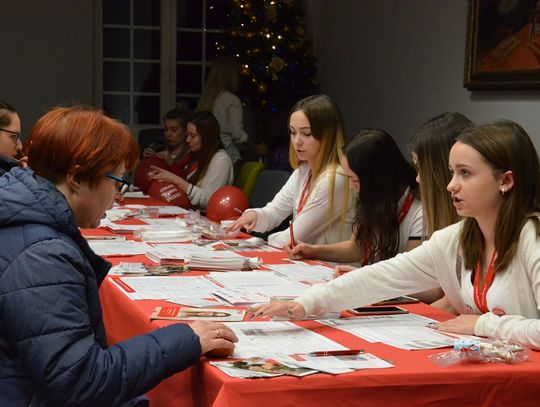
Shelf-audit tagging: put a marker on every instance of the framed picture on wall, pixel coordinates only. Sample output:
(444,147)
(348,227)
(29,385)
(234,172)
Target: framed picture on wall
(503,45)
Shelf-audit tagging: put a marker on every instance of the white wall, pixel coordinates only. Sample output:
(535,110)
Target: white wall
(394,64)
(46,55)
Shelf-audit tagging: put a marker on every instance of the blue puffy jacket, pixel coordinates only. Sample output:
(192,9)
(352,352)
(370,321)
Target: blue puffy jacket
(53,349)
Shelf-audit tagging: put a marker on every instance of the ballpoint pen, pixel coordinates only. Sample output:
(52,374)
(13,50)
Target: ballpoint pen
(291,232)
(336,352)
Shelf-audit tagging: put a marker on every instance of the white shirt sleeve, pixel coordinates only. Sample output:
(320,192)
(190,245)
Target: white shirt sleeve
(406,273)
(219,174)
(281,206)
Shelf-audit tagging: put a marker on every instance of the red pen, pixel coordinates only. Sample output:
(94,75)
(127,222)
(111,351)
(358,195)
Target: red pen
(336,352)
(291,232)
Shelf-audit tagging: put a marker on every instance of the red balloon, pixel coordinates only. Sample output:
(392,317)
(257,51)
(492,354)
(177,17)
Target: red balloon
(170,193)
(142,175)
(226,203)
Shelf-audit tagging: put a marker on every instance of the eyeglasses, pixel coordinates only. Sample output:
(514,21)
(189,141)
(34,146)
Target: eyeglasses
(124,185)
(14,135)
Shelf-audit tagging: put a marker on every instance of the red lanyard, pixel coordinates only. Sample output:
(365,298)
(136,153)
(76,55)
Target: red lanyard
(480,292)
(405,208)
(304,196)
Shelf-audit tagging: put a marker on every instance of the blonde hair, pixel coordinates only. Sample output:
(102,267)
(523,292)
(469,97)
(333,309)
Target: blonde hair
(431,143)
(326,123)
(223,76)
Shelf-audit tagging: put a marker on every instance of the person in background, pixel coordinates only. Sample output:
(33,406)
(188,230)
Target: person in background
(316,194)
(388,214)
(207,167)
(488,264)
(10,139)
(219,97)
(53,343)
(430,147)
(174,127)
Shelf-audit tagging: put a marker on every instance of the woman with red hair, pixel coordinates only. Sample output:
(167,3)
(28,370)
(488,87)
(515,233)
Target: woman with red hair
(53,344)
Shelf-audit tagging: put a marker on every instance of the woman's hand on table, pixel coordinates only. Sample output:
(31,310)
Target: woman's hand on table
(285,309)
(463,324)
(248,220)
(214,335)
(340,270)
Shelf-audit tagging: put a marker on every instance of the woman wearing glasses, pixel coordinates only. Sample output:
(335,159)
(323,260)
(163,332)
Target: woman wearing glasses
(52,339)
(10,138)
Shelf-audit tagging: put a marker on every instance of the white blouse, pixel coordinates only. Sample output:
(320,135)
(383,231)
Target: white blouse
(311,225)
(219,174)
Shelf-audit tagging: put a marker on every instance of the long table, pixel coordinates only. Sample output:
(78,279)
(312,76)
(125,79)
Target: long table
(414,381)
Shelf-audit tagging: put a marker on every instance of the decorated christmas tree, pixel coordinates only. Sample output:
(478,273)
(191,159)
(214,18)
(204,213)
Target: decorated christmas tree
(268,39)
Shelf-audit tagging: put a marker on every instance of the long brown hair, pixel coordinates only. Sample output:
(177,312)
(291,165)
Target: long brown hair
(506,147)
(431,143)
(326,123)
(208,128)
(224,76)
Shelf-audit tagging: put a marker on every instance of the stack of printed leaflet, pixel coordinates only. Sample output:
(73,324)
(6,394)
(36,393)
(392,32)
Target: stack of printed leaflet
(224,261)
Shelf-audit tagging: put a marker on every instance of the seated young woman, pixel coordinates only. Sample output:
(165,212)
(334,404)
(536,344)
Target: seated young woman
(388,214)
(53,343)
(488,264)
(207,166)
(316,194)
(430,147)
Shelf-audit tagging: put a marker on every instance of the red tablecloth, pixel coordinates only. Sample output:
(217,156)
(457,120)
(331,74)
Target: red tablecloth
(414,381)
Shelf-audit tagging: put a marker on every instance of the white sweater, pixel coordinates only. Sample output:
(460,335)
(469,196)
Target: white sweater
(219,174)
(434,263)
(311,225)
(228,111)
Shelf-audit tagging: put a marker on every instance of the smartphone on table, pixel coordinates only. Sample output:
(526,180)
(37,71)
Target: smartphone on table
(378,310)
(402,299)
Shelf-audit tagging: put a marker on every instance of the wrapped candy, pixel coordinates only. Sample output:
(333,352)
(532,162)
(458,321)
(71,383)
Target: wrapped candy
(480,351)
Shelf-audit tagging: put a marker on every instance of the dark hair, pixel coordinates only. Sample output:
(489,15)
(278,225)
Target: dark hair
(506,147)
(431,143)
(384,176)
(79,140)
(208,128)
(179,114)
(6,110)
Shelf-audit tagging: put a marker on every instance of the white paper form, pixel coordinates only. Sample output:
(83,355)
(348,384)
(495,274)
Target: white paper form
(336,364)
(404,331)
(166,223)
(303,273)
(265,339)
(260,282)
(113,248)
(162,288)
